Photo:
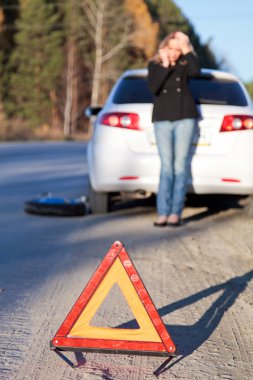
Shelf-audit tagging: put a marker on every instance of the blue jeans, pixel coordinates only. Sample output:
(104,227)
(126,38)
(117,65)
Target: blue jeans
(174,140)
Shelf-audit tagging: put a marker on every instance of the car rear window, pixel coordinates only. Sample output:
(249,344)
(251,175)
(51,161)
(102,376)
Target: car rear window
(205,89)
(133,89)
(210,90)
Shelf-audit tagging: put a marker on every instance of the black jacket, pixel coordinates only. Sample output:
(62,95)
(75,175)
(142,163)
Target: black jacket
(173,99)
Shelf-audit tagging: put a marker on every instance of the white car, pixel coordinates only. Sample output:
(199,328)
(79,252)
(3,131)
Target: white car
(123,157)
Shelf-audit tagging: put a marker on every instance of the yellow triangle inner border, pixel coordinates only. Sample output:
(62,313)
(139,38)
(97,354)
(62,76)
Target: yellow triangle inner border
(83,329)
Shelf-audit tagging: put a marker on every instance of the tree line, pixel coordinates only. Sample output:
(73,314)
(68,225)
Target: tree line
(58,56)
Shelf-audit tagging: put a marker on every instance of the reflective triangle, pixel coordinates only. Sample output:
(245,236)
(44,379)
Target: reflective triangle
(116,274)
(77,332)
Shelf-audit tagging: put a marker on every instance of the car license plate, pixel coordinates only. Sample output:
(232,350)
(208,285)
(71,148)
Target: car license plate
(204,139)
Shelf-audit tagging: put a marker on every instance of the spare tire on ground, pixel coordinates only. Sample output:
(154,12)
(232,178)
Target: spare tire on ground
(57,206)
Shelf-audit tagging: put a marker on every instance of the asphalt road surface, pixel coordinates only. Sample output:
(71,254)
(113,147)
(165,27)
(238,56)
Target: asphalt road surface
(199,276)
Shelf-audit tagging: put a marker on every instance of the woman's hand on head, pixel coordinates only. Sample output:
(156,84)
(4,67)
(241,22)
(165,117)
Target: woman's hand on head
(163,52)
(184,42)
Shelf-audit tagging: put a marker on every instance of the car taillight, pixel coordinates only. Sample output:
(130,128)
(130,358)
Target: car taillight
(121,120)
(236,123)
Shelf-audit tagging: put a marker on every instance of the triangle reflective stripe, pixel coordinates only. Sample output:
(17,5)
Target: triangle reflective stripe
(146,332)
(76,332)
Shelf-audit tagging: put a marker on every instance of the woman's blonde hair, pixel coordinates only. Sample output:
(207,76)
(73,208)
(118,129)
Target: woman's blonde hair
(163,44)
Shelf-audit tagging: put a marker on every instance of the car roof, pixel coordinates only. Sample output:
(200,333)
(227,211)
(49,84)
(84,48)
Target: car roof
(203,72)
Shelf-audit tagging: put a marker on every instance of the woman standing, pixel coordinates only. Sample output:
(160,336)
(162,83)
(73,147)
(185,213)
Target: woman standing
(175,119)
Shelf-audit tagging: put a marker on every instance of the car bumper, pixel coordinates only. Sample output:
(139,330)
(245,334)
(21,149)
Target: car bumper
(109,172)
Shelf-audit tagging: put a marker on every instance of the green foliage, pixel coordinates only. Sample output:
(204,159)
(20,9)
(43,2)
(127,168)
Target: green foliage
(168,15)
(249,87)
(10,14)
(204,51)
(36,62)
(43,35)
(170,19)
(114,27)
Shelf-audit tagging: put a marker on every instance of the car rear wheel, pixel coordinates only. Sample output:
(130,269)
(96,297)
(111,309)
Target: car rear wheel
(248,208)
(99,202)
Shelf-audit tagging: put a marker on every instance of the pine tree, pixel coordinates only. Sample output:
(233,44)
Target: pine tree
(76,83)
(249,86)
(105,32)
(115,36)
(170,18)
(36,63)
(8,14)
(168,15)
(145,33)
(61,55)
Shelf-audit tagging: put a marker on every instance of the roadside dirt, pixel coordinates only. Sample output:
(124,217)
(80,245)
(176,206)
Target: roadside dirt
(199,276)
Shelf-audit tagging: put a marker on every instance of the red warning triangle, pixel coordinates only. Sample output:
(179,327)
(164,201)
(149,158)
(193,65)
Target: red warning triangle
(76,333)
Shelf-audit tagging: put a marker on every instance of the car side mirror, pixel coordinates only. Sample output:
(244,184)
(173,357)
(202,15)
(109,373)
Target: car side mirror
(92,111)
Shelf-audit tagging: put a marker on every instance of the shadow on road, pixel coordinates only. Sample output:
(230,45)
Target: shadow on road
(213,203)
(190,338)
